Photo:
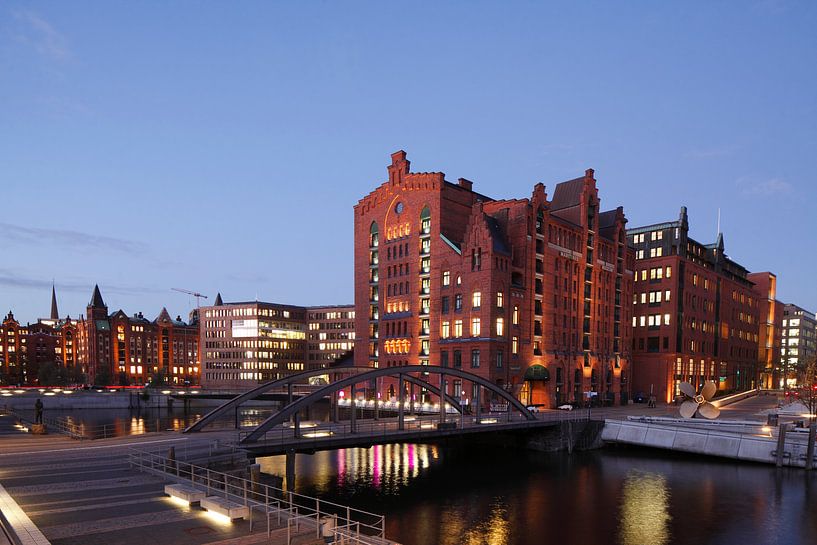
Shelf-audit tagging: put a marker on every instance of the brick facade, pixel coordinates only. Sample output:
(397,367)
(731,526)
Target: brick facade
(696,314)
(528,293)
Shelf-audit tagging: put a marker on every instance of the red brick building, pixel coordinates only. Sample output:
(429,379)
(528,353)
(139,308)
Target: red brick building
(529,293)
(770,328)
(127,349)
(696,314)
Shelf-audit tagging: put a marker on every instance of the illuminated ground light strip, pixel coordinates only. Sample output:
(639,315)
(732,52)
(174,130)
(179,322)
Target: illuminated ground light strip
(218,517)
(315,434)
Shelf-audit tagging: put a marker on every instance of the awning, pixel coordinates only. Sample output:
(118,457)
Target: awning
(537,372)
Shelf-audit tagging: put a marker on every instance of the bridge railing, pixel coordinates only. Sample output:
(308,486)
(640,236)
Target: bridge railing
(356,525)
(313,433)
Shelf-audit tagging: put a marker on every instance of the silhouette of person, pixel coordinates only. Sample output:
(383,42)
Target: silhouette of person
(38,408)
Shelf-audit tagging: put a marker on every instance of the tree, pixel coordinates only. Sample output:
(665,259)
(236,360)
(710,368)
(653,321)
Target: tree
(52,374)
(809,391)
(103,376)
(123,379)
(157,379)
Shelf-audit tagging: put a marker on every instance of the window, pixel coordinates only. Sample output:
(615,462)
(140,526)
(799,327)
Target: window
(669,272)
(446,330)
(444,305)
(476,299)
(475,327)
(444,358)
(499,299)
(458,302)
(459,280)
(458,328)
(446,278)
(475,358)
(499,359)
(457,358)
(656,252)
(666,295)
(666,319)
(515,317)
(500,327)
(515,345)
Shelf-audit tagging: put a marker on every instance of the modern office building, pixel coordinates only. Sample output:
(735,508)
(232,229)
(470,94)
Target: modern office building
(696,315)
(248,343)
(531,293)
(330,334)
(798,345)
(770,328)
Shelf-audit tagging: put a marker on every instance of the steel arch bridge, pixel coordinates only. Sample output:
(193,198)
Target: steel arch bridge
(357,376)
(296,378)
(401,373)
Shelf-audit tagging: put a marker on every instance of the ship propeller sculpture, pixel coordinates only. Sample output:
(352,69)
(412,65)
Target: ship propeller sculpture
(699,403)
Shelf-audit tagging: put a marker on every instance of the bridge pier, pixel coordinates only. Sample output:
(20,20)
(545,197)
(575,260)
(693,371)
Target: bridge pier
(297,425)
(411,398)
(353,421)
(376,401)
(401,401)
(442,397)
(334,408)
(290,470)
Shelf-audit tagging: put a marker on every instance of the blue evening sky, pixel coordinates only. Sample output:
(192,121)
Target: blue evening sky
(220,146)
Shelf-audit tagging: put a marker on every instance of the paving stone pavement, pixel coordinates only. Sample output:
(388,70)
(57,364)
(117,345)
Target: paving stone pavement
(85,493)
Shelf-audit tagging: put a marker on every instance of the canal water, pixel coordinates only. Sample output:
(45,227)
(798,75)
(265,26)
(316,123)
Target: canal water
(434,495)
(465,496)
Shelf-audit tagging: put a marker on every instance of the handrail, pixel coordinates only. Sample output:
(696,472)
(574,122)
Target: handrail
(74,431)
(255,494)
(326,432)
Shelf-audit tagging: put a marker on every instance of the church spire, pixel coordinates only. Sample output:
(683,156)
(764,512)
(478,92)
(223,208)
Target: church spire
(55,314)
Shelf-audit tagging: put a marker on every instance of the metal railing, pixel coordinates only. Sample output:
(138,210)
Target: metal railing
(73,430)
(312,434)
(350,525)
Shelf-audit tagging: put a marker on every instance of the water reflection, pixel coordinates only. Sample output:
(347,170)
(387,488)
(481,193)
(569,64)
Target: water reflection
(644,509)
(383,468)
(488,495)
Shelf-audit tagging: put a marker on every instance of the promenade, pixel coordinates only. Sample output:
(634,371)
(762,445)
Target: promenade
(85,493)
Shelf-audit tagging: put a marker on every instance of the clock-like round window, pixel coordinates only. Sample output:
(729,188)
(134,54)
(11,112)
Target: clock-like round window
(399,208)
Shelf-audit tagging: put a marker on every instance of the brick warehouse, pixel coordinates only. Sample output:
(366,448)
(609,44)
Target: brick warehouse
(696,313)
(529,293)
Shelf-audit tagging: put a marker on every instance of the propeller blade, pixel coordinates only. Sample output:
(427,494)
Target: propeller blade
(688,409)
(709,411)
(687,389)
(708,391)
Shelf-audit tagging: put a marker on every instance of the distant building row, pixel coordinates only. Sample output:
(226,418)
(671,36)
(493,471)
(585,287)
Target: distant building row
(243,344)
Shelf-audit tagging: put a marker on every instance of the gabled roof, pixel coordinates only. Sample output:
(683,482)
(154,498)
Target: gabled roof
(497,235)
(218,302)
(567,194)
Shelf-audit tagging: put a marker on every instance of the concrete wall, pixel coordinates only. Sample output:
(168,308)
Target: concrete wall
(726,441)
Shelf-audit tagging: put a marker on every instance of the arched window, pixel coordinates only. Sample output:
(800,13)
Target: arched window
(425,221)
(374,239)
(540,221)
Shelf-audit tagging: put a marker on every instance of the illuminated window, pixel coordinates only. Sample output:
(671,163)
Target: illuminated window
(458,302)
(476,299)
(446,278)
(475,327)
(515,345)
(500,327)
(458,328)
(669,272)
(499,299)
(446,330)
(515,317)
(459,280)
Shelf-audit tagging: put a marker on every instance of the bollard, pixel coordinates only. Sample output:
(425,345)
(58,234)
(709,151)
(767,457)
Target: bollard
(781,443)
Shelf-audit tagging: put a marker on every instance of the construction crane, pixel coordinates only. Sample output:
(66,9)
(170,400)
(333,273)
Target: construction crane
(195,294)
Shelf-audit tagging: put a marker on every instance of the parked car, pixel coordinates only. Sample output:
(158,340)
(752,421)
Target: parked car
(566,407)
(534,408)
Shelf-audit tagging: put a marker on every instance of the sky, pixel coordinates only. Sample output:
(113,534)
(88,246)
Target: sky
(221,146)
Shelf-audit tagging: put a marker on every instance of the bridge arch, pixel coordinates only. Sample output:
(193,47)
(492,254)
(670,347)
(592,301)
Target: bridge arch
(262,389)
(397,372)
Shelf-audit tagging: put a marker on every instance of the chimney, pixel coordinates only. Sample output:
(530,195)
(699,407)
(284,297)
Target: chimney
(466,184)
